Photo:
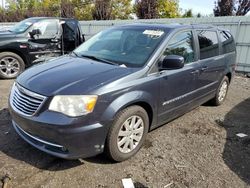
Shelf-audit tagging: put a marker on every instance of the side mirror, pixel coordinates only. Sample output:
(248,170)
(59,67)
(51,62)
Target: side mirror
(172,62)
(35,32)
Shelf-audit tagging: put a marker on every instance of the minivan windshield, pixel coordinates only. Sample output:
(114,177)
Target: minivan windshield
(21,26)
(129,46)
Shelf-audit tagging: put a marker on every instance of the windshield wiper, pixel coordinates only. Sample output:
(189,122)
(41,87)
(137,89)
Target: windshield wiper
(99,59)
(77,55)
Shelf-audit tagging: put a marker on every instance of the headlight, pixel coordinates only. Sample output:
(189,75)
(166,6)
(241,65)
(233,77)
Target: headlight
(73,105)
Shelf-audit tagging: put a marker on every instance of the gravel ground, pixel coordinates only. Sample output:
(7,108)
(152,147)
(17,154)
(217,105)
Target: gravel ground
(199,149)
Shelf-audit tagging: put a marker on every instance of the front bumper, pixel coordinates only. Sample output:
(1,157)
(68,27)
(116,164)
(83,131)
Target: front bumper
(72,140)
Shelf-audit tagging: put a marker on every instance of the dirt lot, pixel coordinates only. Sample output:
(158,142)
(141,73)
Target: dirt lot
(199,149)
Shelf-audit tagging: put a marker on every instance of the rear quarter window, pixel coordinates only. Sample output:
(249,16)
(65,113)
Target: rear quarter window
(227,42)
(208,42)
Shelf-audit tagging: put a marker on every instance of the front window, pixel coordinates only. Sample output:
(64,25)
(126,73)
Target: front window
(182,45)
(129,46)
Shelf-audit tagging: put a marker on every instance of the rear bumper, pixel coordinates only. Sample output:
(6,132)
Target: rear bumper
(70,141)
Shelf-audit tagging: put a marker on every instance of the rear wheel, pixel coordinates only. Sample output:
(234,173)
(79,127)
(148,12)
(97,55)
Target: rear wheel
(221,92)
(11,65)
(127,133)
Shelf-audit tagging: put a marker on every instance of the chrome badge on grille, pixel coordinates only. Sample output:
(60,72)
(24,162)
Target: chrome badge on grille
(25,102)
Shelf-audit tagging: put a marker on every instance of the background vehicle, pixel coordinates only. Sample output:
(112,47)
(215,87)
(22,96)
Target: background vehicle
(35,39)
(120,84)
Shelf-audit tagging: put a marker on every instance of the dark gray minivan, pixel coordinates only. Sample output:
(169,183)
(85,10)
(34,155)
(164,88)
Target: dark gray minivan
(120,84)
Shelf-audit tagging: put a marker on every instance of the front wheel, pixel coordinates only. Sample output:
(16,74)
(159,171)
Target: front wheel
(221,92)
(127,133)
(11,65)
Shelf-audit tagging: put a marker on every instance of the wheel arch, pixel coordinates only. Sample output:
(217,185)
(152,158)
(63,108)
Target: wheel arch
(19,53)
(229,75)
(146,106)
(140,98)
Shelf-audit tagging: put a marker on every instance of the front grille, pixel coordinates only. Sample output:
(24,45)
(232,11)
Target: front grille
(24,101)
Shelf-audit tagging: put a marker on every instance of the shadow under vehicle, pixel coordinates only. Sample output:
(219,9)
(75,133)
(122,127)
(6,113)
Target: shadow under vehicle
(236,152)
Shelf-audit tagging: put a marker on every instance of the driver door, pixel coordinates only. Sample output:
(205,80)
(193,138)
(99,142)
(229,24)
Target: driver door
(177,87)
(48,42)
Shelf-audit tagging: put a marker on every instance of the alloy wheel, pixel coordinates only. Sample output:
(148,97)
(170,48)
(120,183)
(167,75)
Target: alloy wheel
(223,91)
(130,134)
(9,66)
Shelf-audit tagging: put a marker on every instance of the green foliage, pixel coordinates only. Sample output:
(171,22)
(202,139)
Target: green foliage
(147,9)
(84,10)
(79,9)
(168,8)
(121,9)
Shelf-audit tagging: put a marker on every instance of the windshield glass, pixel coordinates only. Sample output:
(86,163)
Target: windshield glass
(21,26)
(129,46)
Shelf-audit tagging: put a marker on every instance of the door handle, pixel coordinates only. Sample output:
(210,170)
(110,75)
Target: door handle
(194,72)
(54,40)
(204,68)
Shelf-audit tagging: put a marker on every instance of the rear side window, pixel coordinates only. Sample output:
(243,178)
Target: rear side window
(227,42)
(208,41)
(182,45)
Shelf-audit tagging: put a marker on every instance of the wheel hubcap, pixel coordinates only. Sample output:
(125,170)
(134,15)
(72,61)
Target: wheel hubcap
(9,66)
(222,91)
(130,134)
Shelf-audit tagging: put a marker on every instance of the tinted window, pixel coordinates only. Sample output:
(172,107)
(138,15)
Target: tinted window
(182,45)
(69,32)
(227,42)
(48,28)
(129,46)
(208,42)
(116,35)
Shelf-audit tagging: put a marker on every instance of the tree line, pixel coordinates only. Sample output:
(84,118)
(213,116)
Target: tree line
(111,9)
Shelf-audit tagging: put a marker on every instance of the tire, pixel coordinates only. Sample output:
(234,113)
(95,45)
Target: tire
(133,116)
(11,65)
(221,93)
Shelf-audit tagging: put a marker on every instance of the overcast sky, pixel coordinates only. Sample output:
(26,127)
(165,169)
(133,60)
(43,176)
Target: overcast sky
(205,7)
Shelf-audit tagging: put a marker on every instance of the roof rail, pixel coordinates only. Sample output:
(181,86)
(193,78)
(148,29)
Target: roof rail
(204,25)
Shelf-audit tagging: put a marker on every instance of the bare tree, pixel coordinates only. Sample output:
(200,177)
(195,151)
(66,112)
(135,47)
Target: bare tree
(146,9)
(231,7)
(102,10)
(242,7)
(67,9)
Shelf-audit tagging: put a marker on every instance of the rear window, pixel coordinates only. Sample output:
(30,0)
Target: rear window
(227,42)
(208,42)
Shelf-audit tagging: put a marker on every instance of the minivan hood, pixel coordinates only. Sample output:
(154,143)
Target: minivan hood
(68,75)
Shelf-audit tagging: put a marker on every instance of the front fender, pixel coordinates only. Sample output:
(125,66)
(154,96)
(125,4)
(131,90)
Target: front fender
(128,99)
(16,48)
